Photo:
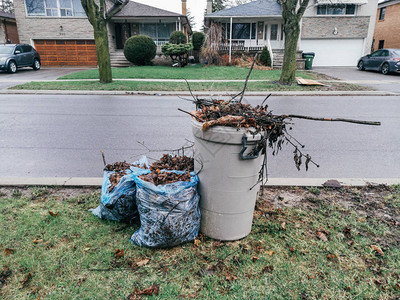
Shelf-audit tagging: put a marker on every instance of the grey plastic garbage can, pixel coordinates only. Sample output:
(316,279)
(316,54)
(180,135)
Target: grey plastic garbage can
(226,203)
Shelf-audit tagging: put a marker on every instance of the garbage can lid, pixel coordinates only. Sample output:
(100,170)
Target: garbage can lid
(308,54)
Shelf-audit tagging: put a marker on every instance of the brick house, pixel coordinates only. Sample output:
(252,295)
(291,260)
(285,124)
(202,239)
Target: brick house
(387,27)
(8,28)
(63,36)
(337,31)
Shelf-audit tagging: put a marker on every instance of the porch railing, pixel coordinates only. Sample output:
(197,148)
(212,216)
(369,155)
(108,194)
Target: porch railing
(159,44)
(239,46)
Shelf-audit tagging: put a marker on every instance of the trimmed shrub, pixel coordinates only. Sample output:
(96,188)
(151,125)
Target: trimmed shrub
(265,57)
(177,37)
(178,53)
(140,50)
(198,40)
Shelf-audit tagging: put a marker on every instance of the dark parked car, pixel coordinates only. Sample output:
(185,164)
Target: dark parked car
(13,56)
(383,60)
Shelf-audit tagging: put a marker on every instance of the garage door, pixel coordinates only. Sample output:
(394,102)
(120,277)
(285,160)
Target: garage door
(67,52)
(340,53)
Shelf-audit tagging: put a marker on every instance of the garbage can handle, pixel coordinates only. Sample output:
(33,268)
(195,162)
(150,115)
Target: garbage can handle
(255,152)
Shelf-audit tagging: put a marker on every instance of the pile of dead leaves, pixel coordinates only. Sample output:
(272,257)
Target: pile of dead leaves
(117,166)
(120,169)
(169,163)
(161,178)
(177,163)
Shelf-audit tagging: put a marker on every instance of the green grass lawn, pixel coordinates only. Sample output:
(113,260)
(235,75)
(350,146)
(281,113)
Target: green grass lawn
(179,86)
(189,72)
(330,244)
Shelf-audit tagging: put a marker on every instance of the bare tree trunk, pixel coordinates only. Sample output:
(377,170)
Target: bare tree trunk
(103,52)
(98,18)
(292,12)
(292,32)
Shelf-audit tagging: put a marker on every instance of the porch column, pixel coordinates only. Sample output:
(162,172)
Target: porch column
(230,42)
(180,23)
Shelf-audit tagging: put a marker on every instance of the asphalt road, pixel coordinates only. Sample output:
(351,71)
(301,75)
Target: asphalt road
(61,136)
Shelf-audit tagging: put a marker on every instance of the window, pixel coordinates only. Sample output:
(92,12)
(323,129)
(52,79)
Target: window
(253,31)
(157,31)
(274,32)
(77,9)
(18,48)
(381,43)
(382,13)
(336,9)
(377,53)
(51,8)
(26,48)
(385,53)
(282,32)
(266,32)
(241,31)
(66,8)
(55,8)
(34,8)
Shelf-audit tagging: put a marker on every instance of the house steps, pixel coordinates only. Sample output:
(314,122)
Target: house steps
(118,59)
(278,59)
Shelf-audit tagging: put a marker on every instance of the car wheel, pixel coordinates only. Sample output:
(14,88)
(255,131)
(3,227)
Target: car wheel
(12,67)
(36,64)
(360,65)
(385,69)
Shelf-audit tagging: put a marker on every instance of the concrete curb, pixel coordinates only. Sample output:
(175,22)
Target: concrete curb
(97,181)
(202,93)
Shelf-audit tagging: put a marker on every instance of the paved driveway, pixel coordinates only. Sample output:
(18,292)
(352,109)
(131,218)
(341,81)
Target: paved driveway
(376,80)
(28,74)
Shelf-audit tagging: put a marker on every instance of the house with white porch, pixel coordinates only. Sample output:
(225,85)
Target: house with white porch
(337,31)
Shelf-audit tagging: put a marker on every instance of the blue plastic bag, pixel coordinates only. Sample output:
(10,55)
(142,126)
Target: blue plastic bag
(169,214)
(120,204)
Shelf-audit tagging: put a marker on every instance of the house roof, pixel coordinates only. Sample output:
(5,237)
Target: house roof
(357,2)
(7,15)
(134,9)
(251,9)
(387,3)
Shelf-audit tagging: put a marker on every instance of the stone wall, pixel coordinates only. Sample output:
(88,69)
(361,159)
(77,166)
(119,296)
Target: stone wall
(324,27)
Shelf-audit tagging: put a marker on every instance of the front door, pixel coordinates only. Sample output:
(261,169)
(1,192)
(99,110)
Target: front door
(122,33)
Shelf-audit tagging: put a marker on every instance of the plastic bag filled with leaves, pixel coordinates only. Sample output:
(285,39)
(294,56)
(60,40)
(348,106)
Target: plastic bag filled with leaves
(169,214)
(118,192)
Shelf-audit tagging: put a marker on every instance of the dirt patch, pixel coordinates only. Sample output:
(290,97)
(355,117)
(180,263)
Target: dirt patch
(381,202)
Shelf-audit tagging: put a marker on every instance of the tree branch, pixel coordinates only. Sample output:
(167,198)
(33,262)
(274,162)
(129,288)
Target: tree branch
(302,9)
(115,9)
(332,120)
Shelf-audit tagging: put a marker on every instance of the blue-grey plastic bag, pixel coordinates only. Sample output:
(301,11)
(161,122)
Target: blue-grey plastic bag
(169,214)
(120,204)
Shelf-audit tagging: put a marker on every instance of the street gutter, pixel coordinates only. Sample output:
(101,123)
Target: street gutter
(199,93)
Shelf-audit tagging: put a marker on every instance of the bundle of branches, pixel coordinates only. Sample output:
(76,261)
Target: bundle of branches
(177,163)
(161,178)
